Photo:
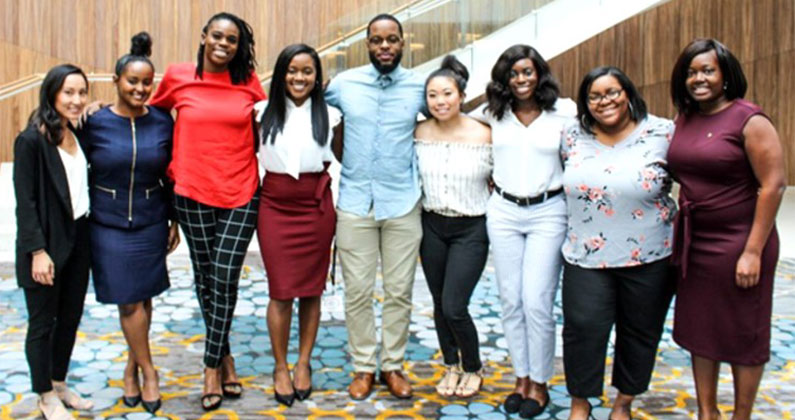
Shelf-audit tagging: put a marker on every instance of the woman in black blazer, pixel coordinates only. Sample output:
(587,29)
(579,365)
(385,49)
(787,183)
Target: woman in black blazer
(52,260)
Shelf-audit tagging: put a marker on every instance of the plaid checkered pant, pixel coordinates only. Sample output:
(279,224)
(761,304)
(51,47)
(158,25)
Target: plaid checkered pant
(218,240)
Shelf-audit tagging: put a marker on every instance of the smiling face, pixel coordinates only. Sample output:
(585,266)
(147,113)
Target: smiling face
(134,86)
(385,45)
(608,102)
(704,80)
(301,78)
(220,45)
(72,97)
(443,98)
(523,79)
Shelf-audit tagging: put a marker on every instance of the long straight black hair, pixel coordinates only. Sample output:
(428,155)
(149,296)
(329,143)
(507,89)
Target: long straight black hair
(46,116)
(275,113)
(244,62)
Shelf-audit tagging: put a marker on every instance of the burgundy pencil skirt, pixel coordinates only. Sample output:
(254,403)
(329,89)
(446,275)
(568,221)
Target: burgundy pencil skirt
(295,229)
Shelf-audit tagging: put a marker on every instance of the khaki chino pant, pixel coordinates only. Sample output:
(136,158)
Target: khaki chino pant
(360,242)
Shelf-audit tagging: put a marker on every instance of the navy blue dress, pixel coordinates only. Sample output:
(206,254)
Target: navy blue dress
(130,203)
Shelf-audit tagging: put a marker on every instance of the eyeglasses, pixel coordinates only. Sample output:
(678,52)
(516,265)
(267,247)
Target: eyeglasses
(377,40)
(611,95)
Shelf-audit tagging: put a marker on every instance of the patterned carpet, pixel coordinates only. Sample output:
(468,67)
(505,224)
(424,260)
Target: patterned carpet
(177,337)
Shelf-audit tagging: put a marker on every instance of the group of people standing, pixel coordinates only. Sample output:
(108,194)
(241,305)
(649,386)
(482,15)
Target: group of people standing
(549,184)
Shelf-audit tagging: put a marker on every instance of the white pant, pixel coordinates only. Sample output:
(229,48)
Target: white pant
(525,246)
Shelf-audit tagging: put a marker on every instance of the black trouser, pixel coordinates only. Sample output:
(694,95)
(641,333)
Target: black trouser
(54,313)
(218,240)
(453,252)
(636,299)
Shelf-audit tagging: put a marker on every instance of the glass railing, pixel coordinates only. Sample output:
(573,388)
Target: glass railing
(432,28)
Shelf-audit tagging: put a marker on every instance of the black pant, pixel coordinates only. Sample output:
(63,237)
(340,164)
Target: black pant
(218,240)
(453,252)
(636,299)
(54,313)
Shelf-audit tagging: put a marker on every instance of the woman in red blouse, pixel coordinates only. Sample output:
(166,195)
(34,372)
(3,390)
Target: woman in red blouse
(214,169)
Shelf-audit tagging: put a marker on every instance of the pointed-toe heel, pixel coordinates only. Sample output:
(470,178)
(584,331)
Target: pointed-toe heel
(131,402)
(151,406)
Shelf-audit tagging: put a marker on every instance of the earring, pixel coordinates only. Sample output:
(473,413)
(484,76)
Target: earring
(583,120)
(725,86)
(631,109)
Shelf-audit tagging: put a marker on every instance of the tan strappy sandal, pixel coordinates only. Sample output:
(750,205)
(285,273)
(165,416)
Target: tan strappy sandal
(449,382)
(70,398)
(54,411)
(469,385)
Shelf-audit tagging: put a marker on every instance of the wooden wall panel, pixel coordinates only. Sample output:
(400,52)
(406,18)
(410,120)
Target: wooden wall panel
(38,34)
(761,33)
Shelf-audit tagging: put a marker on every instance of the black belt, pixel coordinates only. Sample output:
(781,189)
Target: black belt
(527,201)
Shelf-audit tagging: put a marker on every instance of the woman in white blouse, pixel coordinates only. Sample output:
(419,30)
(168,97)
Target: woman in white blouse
(526,216)
(454,153)
(296,214)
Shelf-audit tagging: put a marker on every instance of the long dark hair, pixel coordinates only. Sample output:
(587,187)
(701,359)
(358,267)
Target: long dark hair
(244,61)
(140,50)
(46,116)
(276,112)
(498,91)
(637,109)
(735,84)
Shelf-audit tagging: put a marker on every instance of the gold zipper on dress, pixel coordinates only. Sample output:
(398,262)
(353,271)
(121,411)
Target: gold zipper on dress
(149,190)
(132,170)
(106,189)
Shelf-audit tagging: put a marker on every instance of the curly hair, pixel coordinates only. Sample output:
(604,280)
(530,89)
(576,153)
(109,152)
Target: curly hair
(498,91)
(244,62)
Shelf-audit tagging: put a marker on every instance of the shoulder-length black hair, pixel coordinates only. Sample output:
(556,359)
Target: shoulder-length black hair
(637,109)
(734,82)
(140,50)
(244,61)
(276,112)
(46,116)
(498,91)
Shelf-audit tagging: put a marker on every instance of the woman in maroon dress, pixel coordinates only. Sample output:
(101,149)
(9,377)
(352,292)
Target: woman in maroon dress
(728,159)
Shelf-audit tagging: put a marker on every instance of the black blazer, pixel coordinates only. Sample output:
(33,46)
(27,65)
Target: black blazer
(44,209)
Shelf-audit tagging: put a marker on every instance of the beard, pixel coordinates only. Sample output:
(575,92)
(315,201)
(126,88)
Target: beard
(385,68)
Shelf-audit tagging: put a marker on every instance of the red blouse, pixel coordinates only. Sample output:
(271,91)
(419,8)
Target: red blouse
(213,160)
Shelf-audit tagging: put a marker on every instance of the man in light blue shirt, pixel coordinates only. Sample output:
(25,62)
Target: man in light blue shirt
(377,210)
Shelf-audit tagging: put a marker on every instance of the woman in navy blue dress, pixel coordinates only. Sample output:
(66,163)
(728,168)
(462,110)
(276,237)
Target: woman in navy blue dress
(132,223)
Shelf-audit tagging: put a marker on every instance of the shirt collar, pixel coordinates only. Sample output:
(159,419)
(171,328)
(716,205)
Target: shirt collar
(306,105)
(394,75)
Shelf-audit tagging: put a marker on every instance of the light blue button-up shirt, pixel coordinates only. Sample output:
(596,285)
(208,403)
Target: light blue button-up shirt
(379,167)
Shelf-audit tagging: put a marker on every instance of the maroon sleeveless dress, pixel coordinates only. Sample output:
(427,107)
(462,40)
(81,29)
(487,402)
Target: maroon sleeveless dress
(714,318)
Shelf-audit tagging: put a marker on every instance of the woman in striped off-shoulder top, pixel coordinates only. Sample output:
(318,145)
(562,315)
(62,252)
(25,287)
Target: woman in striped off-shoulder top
(454,153)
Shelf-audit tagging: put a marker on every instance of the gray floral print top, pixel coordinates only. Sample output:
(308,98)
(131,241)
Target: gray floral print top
(620,209)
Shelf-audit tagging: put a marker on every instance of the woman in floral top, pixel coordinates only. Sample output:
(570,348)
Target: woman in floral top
(618,240)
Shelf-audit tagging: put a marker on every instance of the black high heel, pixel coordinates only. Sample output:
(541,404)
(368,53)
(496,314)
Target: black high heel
(286,399)
(131,402)
(151,406)
(303,394)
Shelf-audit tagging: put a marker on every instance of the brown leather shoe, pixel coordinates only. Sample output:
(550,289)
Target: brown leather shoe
(397,383)
(361,386)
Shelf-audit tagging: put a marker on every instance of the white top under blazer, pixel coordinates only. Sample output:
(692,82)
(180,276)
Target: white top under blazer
(295,149)
(527,158)
(76,168)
